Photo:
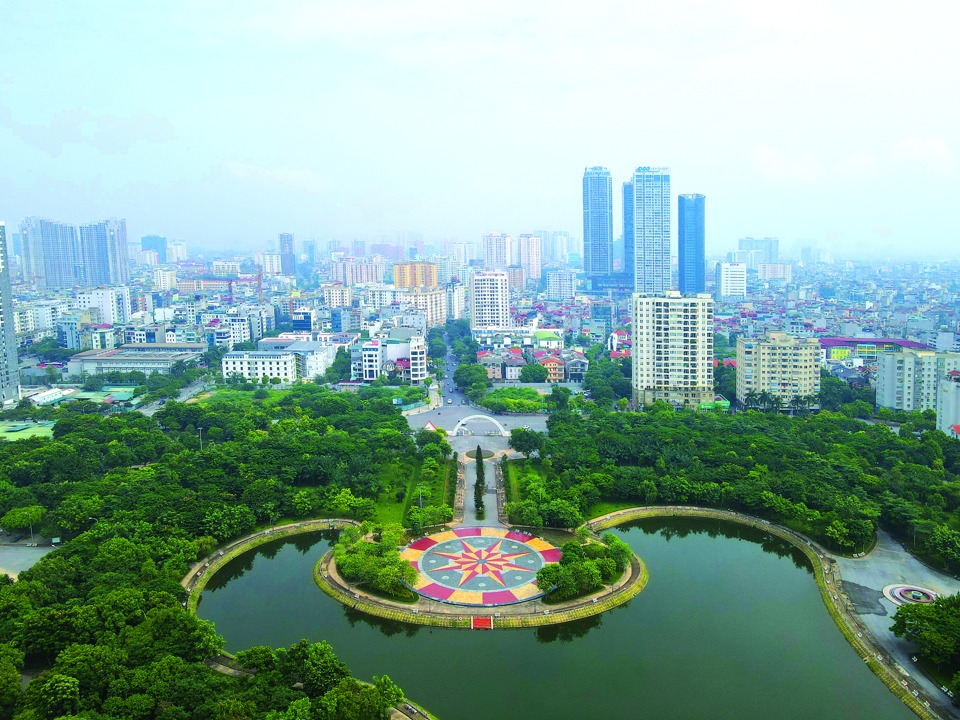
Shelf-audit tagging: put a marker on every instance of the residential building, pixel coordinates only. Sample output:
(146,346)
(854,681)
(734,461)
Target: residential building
(629,236)
(288,254)
(271,264)
(50,254)
(254,365)
(456,301)
(528,256)
(948,404)
(691,244)
(158,244)
(353,271)
(112,303)
(673,349)
(176,251)
(165,279)
(225,268)
(775,271)
(496,251)
(103,252)
(148,258)
(415,275)
(910,380)
(731,281)
(490,300)
(337,295)
(9,364)
(597,222)
(432,303)
(651,230)
(516,278)
(779,365)
(868,349)
(760,250)
(561,285)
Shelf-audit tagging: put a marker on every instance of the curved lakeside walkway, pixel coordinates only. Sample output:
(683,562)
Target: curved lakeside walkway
(202,571)
(827,574)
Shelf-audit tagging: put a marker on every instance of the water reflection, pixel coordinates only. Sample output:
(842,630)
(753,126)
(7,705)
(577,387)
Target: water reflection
(568,631)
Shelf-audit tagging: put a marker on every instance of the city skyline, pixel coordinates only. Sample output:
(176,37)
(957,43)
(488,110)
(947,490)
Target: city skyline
(816,121)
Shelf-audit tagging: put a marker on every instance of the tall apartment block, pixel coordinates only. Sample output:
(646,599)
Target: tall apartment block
(629,236)
(731,281)
(9,364)
(288,254)
(691,244)
(50,254)
(651,230)
(496,251)
(415,274)
(489,300)
(780,365)
(910,380)
(597,221)
(104,254)
(561,285)
(673,349)
(948,404)
(528,256)
(158,244)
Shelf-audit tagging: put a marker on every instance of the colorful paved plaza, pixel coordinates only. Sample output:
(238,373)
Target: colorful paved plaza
(479,565)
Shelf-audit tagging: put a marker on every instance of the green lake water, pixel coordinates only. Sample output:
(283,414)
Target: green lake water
(730,627)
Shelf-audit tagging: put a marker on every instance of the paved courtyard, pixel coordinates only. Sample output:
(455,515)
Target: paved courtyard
(864,579)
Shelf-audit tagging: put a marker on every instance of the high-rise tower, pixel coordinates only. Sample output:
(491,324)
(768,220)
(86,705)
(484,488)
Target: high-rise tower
(496,251)
(651,228)
(103,253)
(489,300)
(288,255)
(9,365)
(50,254)
(628,235)
(158,244)
(690,244)
(597,222)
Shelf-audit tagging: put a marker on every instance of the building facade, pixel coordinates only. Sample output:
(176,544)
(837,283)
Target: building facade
(158,244)
(782,366)
(528,256)
(561,285)
(910,380)
(489,300)
(9,364)
(673,349)
(691,248)
(104,254)
(651,230)
(731,281)
(496,251)
(50,259)
(597,221)
(415,275)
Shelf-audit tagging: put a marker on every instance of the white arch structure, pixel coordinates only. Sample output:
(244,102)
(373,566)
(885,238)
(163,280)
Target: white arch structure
(501,428)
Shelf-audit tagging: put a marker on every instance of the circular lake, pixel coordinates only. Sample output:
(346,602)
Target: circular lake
(730,626)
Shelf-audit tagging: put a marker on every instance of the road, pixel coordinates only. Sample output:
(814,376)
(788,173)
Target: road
(449,414)
(185,394)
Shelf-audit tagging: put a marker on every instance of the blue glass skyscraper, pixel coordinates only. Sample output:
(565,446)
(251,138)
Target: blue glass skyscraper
(691,241)
(629,237)
(597,222)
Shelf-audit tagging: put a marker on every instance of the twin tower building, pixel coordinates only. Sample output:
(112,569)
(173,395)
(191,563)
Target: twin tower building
(672,328)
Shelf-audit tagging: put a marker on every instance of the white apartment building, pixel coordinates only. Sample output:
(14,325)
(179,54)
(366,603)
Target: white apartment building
(780,365)
(255,365)
(337,295)
(456,301)
(775,271)
(113,303)
(561,285)
(496,251)
(528,256)
(731,281)
(225,268)
(272,264)
(948,404)
(432,303)
(489,300)
(910,380)
(673,349)
(165,279)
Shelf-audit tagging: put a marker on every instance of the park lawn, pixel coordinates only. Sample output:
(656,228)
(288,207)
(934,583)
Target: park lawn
(388,509)
(33,430)
(603,507)
(515,470)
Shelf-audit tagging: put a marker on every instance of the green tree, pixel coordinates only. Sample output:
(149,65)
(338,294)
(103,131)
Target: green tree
(23,517)
(527,441)
(533,373)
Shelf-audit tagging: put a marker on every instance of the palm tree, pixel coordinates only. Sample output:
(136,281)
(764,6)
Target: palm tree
(750,400)
(764,400)
(775,404)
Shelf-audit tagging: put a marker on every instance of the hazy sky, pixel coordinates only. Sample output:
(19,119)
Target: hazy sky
(223,123)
